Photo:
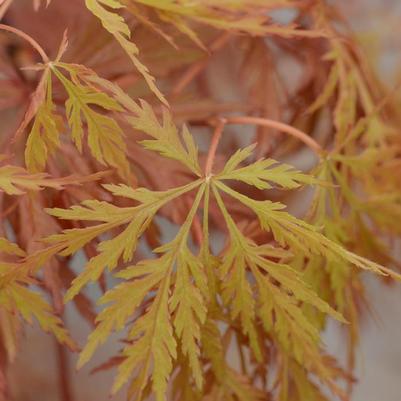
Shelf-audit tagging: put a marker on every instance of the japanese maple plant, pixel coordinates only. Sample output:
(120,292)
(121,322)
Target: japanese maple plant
(148,147)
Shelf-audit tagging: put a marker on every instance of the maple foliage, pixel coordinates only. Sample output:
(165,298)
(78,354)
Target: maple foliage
(101,160)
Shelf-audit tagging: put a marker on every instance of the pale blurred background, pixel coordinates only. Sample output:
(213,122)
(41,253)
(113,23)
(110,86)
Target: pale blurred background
(378,25)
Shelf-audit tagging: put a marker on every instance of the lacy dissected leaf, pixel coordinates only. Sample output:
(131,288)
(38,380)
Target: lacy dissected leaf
(384,209)
(298,385)
(278,304)
(166,139)
(17,181)
(181,25)
(327,91)
(152,346)
(263,172)
(261,285)
(105,137)
(288,230)
(10,248)
(239,293)
(116,25)
(188,306)
(335,278)
(137,219)
(144,18)
(236,387)
(18,301)
(43,139)
(205,13)
(125,299)
(30,304)
(347,99)
(257,282)
(228,384)
(213,348)
(230,16)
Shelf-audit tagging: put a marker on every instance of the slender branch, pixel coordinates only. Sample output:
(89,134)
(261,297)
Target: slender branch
(265,122)
(222,122)
(213,146)
(30,40)
(63,374)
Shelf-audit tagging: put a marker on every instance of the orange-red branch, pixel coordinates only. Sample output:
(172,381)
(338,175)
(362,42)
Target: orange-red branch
(27,38)
(265,122)
(213,146)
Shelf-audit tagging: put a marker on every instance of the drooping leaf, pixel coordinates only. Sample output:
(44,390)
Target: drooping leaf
(17,181)
(137,219)
(43,140)
(10,248)
(105,137)
(116,25)
(287,229)
(152,346)
(30,304)
(165,137)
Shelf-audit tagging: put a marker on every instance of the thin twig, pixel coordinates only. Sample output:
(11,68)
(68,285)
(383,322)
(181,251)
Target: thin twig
(265,122)
(63,374)
(30,40)
(213,146)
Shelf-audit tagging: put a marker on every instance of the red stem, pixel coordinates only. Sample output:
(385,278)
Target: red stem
(63,374)
(30,40)
(265,122)
(213,146)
